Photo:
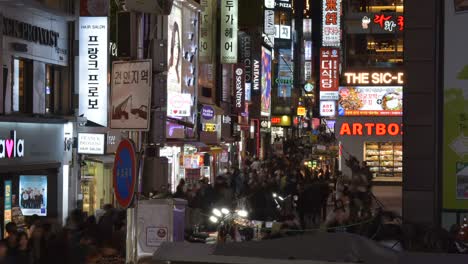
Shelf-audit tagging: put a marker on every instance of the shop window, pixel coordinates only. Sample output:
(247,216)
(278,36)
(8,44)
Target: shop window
(384,159)
(374,50)
(374,6)
(22,99)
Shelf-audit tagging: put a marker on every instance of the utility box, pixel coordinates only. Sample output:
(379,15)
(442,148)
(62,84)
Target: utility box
(158,221)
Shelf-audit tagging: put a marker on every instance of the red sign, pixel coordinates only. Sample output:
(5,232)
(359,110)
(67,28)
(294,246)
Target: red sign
(371,129)
(389,23)
(329,73)
(275,120)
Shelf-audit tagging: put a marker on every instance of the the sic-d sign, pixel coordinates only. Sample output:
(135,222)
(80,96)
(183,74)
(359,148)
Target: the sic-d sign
(239,88)
(374,78)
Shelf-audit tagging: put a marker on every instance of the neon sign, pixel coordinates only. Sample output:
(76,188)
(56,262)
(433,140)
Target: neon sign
(376,78)
(370,129)
(388,23)
(11,148)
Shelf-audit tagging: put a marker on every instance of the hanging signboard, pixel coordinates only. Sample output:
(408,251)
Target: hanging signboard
(93,69)
(131,95)
(239,88)
(206,31)
(329,73)
(327,108)
(229,31)
(331,27)
(179,104)
(269,23)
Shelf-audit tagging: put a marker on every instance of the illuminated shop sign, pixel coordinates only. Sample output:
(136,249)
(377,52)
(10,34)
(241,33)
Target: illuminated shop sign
(329,73)
(269,23)
(282,32)
(91,143)
(283,4)
(178,104)
(209,127)
(371,129)
(388,23)
(370,101)
(374,78)
(281,120)
(301,111)
(256,75)
(207,112)
(229,28)
(331,28)
(11,148)
(327,108)
(269,3)
(239,86)
(206,31)
(93,69)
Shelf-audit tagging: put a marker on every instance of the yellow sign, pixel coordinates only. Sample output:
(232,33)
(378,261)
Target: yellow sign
(301,111)
(209,127)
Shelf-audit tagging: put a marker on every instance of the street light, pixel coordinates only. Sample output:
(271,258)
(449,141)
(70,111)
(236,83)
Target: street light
(225,211)
(217,212)
(242,213)
(213,219)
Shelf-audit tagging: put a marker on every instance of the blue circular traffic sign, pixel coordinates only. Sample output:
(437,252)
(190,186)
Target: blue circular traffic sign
(124,173)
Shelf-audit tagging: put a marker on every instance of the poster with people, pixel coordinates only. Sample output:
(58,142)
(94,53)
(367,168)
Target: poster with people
(33,195)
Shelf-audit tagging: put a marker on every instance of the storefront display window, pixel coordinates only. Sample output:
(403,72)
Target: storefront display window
(375,5)
(22,86)
(384,159)
(374,50)
(96,186)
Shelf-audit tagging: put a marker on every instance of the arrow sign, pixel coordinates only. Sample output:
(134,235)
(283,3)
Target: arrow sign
(460,146)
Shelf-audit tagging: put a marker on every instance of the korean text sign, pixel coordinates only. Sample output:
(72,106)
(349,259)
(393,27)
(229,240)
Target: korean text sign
(206,31)
(131,93)
(331,28)
(371,101)
(93,69)
(229,31)
(329,73)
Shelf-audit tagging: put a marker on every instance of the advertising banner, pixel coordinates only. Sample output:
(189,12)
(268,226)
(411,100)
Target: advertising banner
(239,88)
(179,104)
(329,73)
(331,19)
(284,80)
(229,31)
(174,45)
(93,46)
(33,195)
(206,31)
(266,83)
(455,128)
(131,95)
(7,204)
(370,101)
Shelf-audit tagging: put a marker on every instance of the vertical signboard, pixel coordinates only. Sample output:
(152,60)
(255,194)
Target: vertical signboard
(239,88)
(266,83)
(245,48)
(131,95)
(7,209)
(455,153)
(329,73)
(308,50)
(93,69)
(284,80)
(229,31)
(206,31)
(174,56)
(331,27)
(269,23)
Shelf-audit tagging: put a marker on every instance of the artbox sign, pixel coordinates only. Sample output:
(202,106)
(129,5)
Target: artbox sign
(12,147)
(207,112)
(91,143)
(239,86)
(331,28)
(229,28)
(370,129)
(93,69)
(329,73)
(178,104)
(327,108)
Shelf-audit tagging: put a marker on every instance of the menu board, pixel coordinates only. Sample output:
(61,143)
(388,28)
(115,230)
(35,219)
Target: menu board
(370,101)
(384,159)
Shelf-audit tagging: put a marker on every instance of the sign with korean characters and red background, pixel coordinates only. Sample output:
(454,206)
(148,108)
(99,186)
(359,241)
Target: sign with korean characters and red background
(329,73)
(331,19)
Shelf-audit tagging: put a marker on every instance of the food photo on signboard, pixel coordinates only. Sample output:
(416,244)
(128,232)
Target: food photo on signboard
(372,100)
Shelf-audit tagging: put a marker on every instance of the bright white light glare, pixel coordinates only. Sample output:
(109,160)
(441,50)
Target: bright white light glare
(274,195)
(281,198)
(213,219)
(224,211)
(242,213)
(217,212)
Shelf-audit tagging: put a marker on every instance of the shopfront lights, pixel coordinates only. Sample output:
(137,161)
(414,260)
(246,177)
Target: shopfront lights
(225,211)
(213,219)
(217,212)
(242,213)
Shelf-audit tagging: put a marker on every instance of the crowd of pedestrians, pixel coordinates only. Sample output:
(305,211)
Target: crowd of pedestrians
(82,240)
